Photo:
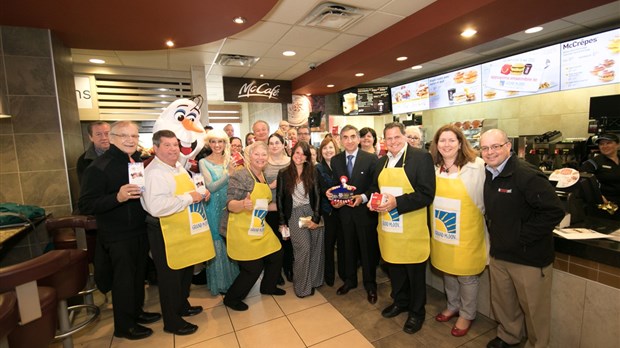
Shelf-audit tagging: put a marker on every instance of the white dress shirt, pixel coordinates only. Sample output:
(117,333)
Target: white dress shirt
(159,198)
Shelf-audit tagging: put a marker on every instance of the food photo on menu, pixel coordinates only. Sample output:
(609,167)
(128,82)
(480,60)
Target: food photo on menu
(524,74)
(411,97)
(458,87)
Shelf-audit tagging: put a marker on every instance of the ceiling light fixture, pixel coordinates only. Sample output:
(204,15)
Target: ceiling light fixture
(239,20)
(261,75)
(401,59)
(96,61)
(170,43)
(330,86)
(469,32)
(416,67)
(359,74)
(289,53)
(533,30)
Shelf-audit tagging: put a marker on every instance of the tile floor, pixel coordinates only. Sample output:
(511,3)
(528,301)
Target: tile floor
(321,321)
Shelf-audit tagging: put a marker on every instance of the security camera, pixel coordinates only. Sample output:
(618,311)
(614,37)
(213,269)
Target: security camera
(312,66)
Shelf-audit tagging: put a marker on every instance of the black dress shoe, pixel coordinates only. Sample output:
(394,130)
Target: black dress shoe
(236,306)
(289,275)
(148,318)
(413,325)
(137,332)
(392,310)
(192,310)
(372,296)
(344,289)
(200,278)
(281,280)
(276,292)
(187,329)
(499,343)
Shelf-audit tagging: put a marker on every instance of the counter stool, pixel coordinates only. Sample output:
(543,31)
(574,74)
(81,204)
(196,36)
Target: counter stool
(68,281)
(37,323)
(9,316)
(76,232)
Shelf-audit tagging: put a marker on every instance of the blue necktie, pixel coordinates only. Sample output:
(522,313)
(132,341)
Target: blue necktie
(350,165)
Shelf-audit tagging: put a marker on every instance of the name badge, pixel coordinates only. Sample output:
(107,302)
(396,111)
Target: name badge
(606,166)
(503,190)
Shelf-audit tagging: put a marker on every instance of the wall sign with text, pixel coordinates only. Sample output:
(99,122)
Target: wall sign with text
(247,90)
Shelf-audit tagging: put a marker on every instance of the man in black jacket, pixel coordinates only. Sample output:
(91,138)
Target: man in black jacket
(122,244)
(99,135)
(522,209)
(358,223)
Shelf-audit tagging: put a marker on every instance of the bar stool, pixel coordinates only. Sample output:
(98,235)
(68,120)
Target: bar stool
(36,306)
(68,281)
(9,316)
(76,232)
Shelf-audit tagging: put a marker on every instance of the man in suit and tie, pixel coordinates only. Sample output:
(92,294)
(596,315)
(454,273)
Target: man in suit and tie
(358,223)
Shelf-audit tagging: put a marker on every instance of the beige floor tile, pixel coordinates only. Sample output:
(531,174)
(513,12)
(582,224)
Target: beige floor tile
(374,326)
(273,334)
(348,339)
(224,341)
(262,308)
(102,328)
(159,338)
(399,340)
(290,303)
(96,343)
(212,323)
(319,323)
(352,304)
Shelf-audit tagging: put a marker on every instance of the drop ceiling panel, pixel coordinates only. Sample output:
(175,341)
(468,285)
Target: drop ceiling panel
(364,4)
(208,47)
(268,32)
(244,47)
(405,7)
(374,23)
(93,53)
(291,11)
(294,71)
(343,42)
(319,56)
(83,59)
(308,37)
(276,52)
(146,59)
(275,63)
(183,60)
(232,71)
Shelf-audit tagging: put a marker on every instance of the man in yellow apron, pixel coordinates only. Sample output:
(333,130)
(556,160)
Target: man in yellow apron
(406,179)
(178,231)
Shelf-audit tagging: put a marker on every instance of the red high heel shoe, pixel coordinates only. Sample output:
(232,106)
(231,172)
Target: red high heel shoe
(456,332)
(443,318)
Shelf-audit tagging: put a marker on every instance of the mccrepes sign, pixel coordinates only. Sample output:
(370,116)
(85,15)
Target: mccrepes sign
(257,91)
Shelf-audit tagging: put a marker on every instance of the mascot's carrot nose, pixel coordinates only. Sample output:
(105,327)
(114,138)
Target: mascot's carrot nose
(191,126)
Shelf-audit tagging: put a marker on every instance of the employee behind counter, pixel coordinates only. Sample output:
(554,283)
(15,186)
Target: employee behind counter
(606,168)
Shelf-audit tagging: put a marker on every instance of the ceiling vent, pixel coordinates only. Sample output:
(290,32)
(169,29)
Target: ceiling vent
(236,60)
(330,15)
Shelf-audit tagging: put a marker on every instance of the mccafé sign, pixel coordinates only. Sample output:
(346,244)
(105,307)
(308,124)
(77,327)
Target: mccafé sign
(257,91)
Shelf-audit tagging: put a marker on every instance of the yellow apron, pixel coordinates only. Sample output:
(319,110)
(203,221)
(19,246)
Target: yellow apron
(458,245)
(249,237)
(402,238)
(186,234)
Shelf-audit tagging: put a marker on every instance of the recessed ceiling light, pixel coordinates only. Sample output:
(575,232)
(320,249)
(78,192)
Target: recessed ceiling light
(308,94)
(400,59)
(170,43)
(533,30)
(261,75)
(330,86)
(416,67)
(289,53)
(468,32)
(359,74)
(97,61)
(239,20)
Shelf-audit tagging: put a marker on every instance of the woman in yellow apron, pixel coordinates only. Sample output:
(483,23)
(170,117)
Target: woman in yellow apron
(250,240)
(458,236)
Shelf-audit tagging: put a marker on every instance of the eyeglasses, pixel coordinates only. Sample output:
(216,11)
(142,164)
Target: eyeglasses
(413,137)
(492,147)
(126,136)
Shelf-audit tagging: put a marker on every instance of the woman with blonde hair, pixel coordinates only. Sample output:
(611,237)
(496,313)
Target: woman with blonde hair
(459,242)
(215,168)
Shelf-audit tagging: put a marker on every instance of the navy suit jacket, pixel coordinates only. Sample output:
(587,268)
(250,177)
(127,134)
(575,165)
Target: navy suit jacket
(361,177)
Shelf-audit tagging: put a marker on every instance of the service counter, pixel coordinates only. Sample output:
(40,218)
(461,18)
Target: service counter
(23,242)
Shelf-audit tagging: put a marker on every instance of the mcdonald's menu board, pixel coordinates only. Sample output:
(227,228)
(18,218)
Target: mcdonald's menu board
(366,101)
(592,60)
(410,97)
(524,74)
(455,88)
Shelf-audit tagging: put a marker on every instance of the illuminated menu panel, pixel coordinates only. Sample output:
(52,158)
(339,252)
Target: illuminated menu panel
(523,74)
(455,88)
(591,61)
(410,97)
(366,101)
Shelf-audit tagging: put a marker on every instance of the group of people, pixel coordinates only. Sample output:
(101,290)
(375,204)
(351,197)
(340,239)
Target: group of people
(275,215)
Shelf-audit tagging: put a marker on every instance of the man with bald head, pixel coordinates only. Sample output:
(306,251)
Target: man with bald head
(260,129)
(230,130)
(522,209)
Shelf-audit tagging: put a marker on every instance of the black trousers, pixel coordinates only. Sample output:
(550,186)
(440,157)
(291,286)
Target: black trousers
(273,221)
(409,287)
(333,237)
(249,271)
(125,261)
(360,242)
(173,284)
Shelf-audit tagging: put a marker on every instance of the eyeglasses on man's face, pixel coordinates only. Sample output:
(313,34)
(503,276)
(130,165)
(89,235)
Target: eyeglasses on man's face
(494,147)
(126,136)
(413,137)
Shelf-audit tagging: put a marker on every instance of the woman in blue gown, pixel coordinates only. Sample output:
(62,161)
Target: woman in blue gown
(221,271)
